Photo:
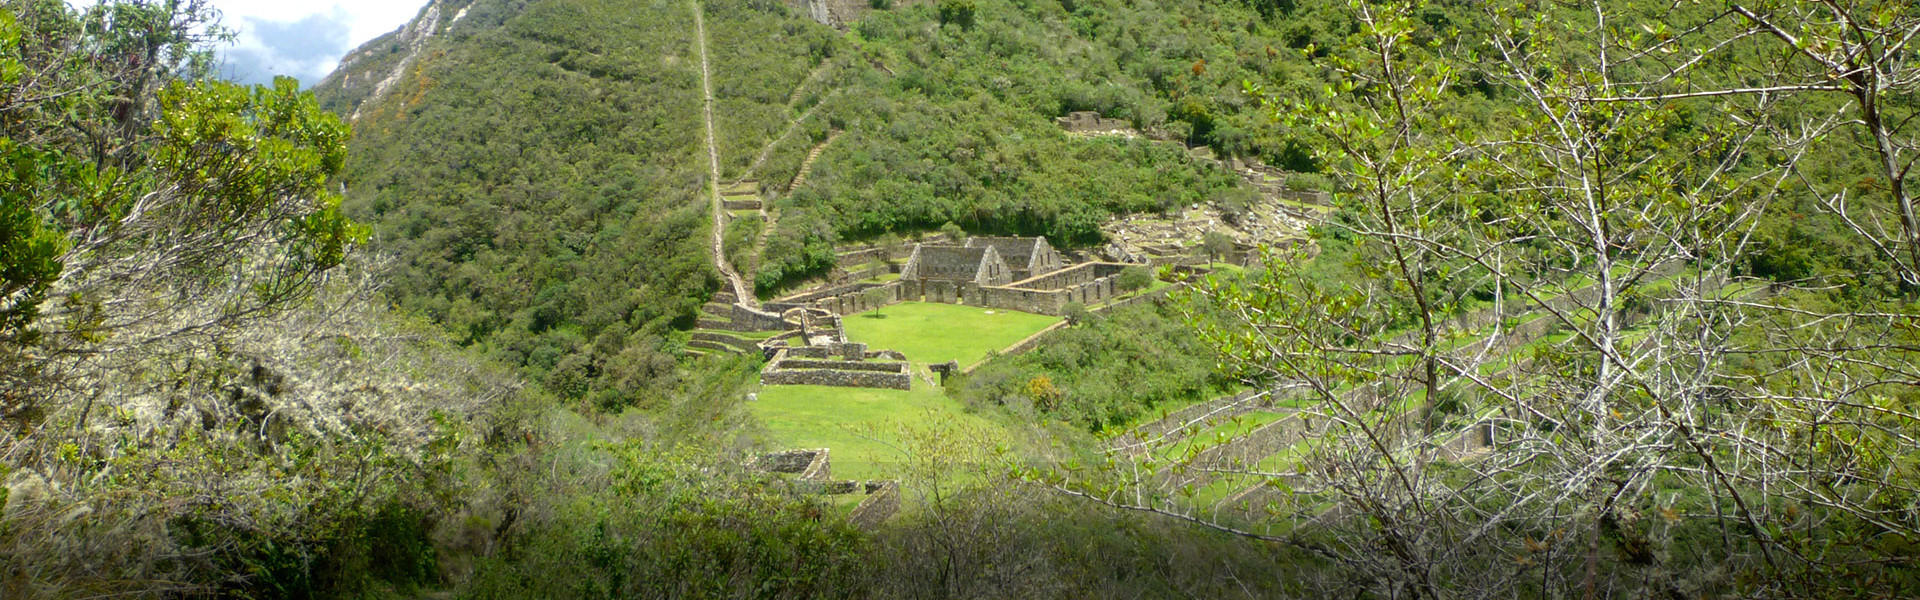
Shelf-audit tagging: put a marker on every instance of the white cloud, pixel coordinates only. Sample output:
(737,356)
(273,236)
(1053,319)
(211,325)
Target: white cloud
(304,39)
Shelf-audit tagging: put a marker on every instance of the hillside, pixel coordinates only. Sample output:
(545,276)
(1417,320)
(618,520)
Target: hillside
(967,299)
(577,173)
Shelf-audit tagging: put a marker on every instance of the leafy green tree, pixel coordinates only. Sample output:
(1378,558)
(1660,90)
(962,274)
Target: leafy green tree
(1134,277)
(1216,244)
(957,12)
(878,297)
(954,232)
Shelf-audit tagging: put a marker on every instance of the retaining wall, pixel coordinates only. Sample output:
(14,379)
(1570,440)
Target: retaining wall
(839,378)
(798,371)
(746,318)
(740,204)
(1170,427)
(806,464)
(881,503)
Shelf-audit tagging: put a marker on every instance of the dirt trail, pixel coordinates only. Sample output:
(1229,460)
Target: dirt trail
(713,164)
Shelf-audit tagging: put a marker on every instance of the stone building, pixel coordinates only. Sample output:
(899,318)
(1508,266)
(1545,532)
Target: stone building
(1086,121)
(957,264)
(1027,256)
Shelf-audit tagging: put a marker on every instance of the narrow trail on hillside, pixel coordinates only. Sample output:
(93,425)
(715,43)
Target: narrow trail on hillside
(713,165)
(793,102)
(792,126)
(773,217)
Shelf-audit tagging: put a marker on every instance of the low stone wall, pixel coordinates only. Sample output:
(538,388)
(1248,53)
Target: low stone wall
(781,370)
(740,204)
(823,353)
(1168,428)
(1020,347)
(742,344)
(881,503)
(1244,452)
(1153,296)
(843,365)
(714,346)
(1313,197)
(748,319)
(871,272)
(839,378)
(812,464)
(1069,277)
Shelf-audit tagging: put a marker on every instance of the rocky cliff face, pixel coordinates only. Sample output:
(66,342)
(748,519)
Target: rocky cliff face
(370,72)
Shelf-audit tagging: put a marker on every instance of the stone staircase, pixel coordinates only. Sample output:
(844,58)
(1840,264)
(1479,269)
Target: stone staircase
(806,166)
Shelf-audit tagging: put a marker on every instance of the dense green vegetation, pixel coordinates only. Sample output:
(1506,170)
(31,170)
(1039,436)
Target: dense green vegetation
(1112,370)
(554,216)
(215,381)
(956,124)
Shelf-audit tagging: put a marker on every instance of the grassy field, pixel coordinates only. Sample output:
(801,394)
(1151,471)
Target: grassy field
(929,332)
(860,426)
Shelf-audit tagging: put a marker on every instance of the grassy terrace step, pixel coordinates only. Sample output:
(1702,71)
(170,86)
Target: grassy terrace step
(1219,433)
(713,346)
(861,425)
(930,332)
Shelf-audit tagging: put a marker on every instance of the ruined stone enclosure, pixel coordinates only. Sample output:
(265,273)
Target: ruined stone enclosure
(1011,273)
(1025,256)
(980,265)
(853,366)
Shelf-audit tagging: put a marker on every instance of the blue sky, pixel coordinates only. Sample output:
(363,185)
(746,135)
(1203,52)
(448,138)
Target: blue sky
(301,38)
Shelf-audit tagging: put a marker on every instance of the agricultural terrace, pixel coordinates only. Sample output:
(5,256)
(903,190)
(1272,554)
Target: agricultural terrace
(860,425)
(931,332)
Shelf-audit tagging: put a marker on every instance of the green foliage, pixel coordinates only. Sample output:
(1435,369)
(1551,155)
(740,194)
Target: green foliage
(542,179)
(1216,243)
(1077,313)
(1107,372)
(653,531)
(956,125)
(1134,277)
(957,12)
(29,252)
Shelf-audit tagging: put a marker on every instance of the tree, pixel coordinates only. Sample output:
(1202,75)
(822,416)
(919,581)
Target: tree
(957,12)
(1556,277)
(954,232)
(1217,244)
(890,247)
(878,297)
(1076,313)
(1134,277)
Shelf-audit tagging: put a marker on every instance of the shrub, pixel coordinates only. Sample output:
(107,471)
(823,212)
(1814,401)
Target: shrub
(954,232)
(1308,182)
(1134,278)
(957,12)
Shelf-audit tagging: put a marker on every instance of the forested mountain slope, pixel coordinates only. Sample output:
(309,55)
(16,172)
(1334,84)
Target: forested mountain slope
(535,164)
(538,166)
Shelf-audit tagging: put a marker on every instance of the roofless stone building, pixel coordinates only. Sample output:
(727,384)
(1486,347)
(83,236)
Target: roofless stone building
(1028,256)
(980,265)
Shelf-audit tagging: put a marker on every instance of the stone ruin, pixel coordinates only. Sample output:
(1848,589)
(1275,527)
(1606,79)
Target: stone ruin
(1087,122)
(812,472)
(812,464)
(846,365)
(981,265)
(1011,273)
(1025,256)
